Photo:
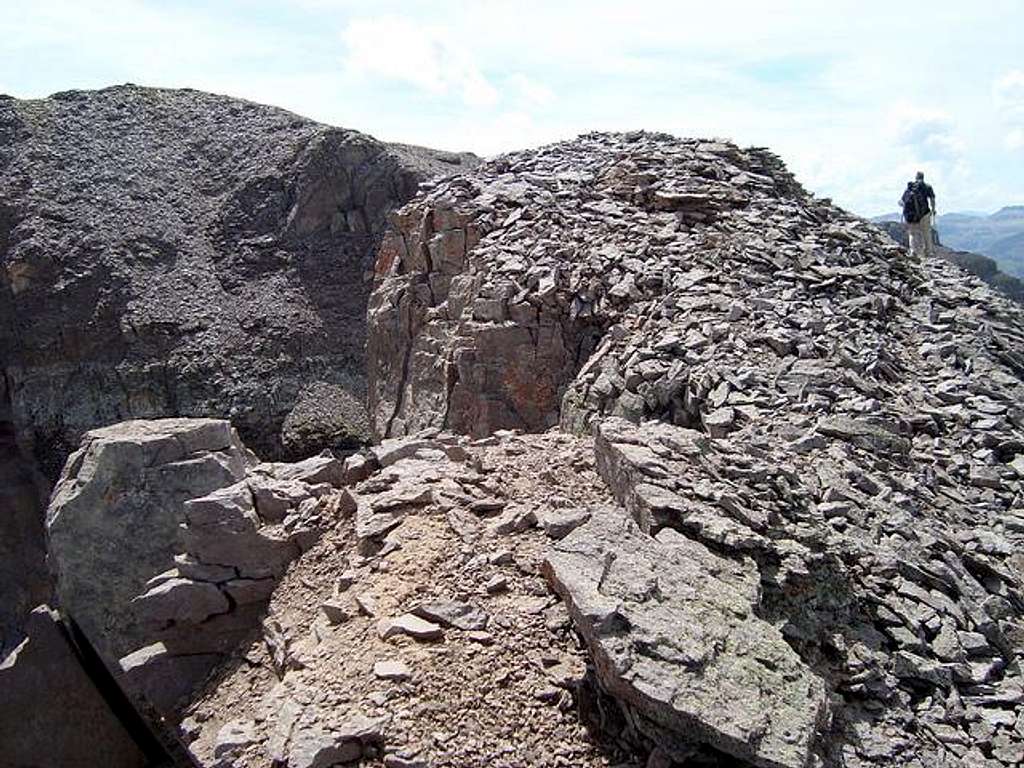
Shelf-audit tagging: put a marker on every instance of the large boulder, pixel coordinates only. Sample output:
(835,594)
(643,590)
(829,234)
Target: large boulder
(114,519)
(168,539)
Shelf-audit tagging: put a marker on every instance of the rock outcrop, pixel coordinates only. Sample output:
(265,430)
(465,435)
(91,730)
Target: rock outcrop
(674,633)
(829,430)
(114,519)
(168,538)
(176,253)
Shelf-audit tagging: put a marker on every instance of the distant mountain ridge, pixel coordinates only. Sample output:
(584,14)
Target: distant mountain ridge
(999,236)
(978,265)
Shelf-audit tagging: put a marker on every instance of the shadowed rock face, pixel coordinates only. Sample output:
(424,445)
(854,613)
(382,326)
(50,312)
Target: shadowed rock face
(24,581)
(176,253)
(35,729)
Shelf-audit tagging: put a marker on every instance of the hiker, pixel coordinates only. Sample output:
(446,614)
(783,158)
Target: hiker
(918,203)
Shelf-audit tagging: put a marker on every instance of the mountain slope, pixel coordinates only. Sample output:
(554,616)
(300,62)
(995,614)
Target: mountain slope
(1000,236)
(979,266)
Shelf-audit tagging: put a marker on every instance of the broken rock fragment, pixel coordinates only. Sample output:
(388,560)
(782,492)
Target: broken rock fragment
(410,625)
(452,613)
(323,746)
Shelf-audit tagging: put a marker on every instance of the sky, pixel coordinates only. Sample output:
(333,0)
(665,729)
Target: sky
(854,96)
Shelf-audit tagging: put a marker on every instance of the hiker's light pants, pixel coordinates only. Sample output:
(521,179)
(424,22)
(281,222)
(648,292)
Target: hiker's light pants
(921,237)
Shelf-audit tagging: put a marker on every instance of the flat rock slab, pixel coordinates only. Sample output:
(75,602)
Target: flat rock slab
(672,629)
(408,624)
(392,670)
(865,434)
(452,613)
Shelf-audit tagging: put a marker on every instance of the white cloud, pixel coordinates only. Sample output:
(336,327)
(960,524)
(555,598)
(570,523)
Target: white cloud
(814,82)
(1008,95)
(1008,92)
(531,91)
(929,133)
(427,57)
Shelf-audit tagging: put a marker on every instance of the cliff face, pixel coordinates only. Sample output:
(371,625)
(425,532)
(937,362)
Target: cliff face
(176,253)
(179,253)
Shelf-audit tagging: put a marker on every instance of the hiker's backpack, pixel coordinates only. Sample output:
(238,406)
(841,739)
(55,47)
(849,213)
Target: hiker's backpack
(915,203)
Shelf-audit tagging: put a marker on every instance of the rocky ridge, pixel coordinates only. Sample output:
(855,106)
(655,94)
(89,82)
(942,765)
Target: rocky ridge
(771,381)
(424,618)
(681,467)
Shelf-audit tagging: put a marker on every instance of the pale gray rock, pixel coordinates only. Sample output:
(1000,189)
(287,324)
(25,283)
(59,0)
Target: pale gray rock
(323,746)
(105,544)
(170,509)
(318,469)
(452,613)
(181,600)
(233,737)
(683,645)
(336,611)
(392,670)
(720,422)
(411,625)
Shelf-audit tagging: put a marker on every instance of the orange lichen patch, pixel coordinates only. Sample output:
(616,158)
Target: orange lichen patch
(392,249)
(533,394)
